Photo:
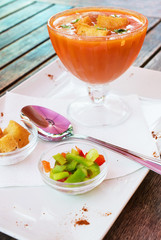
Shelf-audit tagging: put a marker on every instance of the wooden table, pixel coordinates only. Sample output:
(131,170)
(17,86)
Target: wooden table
(26,48)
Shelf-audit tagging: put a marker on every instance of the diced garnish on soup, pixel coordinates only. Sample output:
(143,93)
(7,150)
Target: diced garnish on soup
(97,24)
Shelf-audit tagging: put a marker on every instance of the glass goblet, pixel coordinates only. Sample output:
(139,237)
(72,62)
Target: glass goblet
(97,60)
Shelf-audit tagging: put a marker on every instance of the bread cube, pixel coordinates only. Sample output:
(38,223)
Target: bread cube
(7,143)
(85,20)
(91,31)
(1,133)
(19,133)
(111,23)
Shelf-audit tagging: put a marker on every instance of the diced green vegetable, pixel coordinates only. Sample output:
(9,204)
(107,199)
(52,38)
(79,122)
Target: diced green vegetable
(65,26)
(51,174)
(58,168)
(71,166)
(86,179)
(83,168)
(120,30)
(77,176)
(75,152)
(93,170)
(100,28)
(60,159)
(114,15)
(92,155)
(75,20)
(75,166)
(79,159)
(59,176)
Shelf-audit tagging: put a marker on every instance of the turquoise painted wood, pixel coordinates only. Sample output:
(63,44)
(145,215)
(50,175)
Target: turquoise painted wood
(13,6)
(26,63)
(5,2)
(23,45)
(29,25)
(23,14)
(151,45)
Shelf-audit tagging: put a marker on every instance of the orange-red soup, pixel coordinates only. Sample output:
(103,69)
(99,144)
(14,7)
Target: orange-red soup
(97,59)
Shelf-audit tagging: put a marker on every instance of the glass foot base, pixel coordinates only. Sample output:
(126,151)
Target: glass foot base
(111,112)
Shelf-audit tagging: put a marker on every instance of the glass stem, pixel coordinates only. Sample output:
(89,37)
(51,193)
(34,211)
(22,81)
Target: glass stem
(97,93)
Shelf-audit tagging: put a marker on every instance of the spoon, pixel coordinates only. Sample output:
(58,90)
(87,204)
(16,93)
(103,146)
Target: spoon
(54,127)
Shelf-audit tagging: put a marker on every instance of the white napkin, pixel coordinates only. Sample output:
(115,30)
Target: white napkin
(133,134)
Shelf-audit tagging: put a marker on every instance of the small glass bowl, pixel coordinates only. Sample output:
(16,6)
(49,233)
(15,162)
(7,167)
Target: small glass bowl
(20,154)
(72,188)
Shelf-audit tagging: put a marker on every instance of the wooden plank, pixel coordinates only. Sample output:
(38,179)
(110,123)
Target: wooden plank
(151,45)
(29,25)
(12,7)
(5,2)
(22,15)
(31,73)
(29,41)
(155,62)
(152,21)
(23,45)
(146,7)
(25,64)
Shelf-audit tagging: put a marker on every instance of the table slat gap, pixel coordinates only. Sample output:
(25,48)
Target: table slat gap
(150,46)
(24,14)
(151,57)
(27,26)
(14,7)
(23,45)
(27,75)
(4,3)
(20,56)
(154,63)
(25,64)
(155,23)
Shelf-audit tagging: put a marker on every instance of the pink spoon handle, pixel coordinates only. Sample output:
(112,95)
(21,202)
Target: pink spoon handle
(149,162)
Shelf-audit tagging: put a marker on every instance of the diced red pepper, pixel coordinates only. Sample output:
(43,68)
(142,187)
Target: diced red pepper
(62,180)
(80,151)
(85,154)
(46,166)
(100,160)
(63,154)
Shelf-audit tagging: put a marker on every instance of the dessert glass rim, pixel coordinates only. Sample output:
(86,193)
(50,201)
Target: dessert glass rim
(103,38)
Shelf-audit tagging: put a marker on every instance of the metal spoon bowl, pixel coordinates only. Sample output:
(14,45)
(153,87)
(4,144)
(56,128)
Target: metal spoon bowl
(54,127)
